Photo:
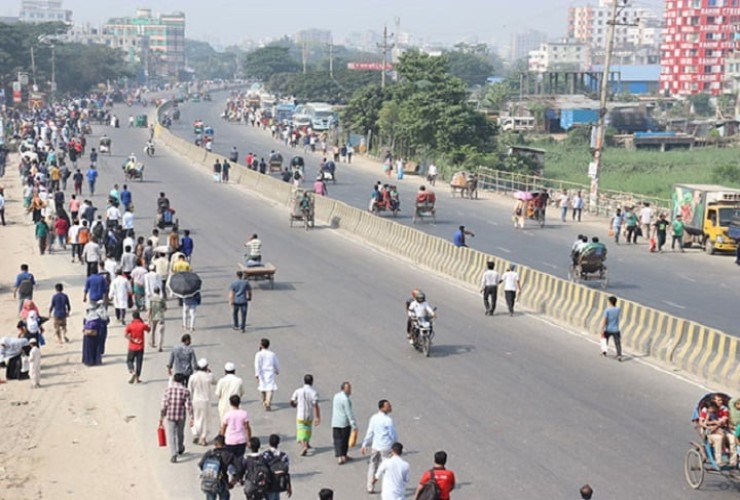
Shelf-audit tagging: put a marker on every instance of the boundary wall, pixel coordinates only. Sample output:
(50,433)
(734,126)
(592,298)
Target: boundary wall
(682,344)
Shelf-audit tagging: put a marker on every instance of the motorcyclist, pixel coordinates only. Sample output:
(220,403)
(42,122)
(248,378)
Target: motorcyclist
(149,148)
(130,163)
(419,311)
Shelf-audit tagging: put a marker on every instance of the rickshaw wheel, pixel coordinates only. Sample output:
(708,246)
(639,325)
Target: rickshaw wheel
(694,468)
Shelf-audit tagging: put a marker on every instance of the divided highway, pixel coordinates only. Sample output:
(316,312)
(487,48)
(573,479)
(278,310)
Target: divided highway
(691,285)
(523,408)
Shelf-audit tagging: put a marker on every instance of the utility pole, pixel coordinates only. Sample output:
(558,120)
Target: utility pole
(53,75)
(304,56)
(595,166)
(331,58)
(33,70)
(385,48)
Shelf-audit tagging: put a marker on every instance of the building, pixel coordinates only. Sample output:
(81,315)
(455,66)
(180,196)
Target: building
(44,11)
(524,43)
(630,79)
(699,35)
(566,55)
(638,26)
(158,41)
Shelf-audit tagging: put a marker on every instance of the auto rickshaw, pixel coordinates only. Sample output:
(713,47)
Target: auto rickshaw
(275,163)
(141,121)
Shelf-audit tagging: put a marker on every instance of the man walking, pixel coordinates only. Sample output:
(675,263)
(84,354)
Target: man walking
(157,308)
(25,282)
(182,359)
(489,286)
(610,328)
(380,436)
(92,256)
(678,229)
(395,475)
(176,407)
(135,333)
(266,368)
(512,287)
(306,402)
(228,385)
(199,386)
(240,293)
(279,465)
(444,478)
(214,478)
(342,422)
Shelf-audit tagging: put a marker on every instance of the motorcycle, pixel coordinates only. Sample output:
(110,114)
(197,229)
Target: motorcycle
(422,333)
(149,149)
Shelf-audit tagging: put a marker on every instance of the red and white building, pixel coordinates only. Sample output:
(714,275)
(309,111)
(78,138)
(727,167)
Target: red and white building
(698,36)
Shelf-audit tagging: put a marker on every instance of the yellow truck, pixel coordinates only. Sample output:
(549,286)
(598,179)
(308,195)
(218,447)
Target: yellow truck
(707,211)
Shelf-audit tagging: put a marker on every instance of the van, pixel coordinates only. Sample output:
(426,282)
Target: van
(516,123)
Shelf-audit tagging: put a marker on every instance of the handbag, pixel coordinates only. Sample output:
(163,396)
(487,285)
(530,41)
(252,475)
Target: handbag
(161,436)
(353,438)
(611,232)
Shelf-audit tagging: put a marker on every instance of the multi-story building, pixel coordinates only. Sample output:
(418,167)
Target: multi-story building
(566,55)
(44,11)
(524,43)
(157,41)
(638,26)
(699,35)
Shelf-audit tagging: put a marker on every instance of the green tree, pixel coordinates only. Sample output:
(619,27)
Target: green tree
(267,61)
(471,67)
(82,67)
(497,95)
(362,112)
(389,124)
(210,64)
(701,104)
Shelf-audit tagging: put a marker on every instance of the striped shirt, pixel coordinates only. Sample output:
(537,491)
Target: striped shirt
(176,404)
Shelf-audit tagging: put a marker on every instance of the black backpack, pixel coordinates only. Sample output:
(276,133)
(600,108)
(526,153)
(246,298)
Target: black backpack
(279,469)
(430,490)
(99,231)
(257,478)
(211,474)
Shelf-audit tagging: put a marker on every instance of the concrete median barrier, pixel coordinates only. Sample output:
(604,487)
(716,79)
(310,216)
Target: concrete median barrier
(696,349)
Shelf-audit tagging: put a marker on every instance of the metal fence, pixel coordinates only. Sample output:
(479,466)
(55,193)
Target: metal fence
(503,182)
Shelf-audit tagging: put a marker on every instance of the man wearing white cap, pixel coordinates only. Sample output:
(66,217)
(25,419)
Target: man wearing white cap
(228,386)
(199,386)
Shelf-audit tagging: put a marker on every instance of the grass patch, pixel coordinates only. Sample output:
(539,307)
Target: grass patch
(644,172)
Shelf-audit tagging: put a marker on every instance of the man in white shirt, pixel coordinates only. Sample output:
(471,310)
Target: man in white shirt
(128,218)
(73,236)
(266,368)
(432,173)
(113,216)
(228,385)
(646,218)
(395,474)
(151,282)
(199,386)
(91,256)
(564,202)
(380,436)
(512,286)
(306,402)
(489,286)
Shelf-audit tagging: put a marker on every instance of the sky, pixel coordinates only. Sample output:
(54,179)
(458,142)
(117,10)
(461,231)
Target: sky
(225,22)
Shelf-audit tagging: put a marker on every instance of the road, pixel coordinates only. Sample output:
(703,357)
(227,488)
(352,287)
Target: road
(524,408)
(691,285)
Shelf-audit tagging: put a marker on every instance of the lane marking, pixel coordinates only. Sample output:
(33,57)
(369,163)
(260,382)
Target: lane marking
(505,250)
(687,278)
(673,304)
(552,266)
(493,223)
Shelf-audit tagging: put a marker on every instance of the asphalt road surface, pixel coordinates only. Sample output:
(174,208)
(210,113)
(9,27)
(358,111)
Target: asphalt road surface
(524,408)
(691,285)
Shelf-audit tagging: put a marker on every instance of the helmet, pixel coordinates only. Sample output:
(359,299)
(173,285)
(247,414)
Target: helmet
(420,297)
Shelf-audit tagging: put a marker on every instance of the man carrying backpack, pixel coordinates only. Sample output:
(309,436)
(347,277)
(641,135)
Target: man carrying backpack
(214,466)
(257,476)
(279,465)
(438,482)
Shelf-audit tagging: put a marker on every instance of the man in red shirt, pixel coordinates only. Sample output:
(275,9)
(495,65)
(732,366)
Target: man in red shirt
(444,478)
(135,334)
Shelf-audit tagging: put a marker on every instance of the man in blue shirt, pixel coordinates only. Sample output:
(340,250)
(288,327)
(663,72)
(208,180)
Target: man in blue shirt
(96,286)
(240,293)
(59,310)
(459,238)
(610,328)
(92,176)
(24,285)
(186,244)
(380,436)
(125,196)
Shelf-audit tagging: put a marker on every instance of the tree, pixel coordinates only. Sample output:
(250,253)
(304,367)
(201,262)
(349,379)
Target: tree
(265,62)
(209,64)
(497,95)
(471,67)
(82,67)
(362,113)
(701,104)
(319,86)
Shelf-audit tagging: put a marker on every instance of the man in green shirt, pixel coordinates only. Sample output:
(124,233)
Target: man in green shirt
(342,422)
(661,225)
(678,229)
(42,234)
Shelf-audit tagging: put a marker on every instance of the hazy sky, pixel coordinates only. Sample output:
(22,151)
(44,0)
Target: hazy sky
(232,21)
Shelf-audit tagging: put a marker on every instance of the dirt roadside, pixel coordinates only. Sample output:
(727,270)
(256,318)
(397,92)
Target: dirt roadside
(71,438)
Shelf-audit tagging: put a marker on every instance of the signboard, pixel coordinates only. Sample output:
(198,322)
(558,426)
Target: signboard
(35,100)
(592,169)
(369,66)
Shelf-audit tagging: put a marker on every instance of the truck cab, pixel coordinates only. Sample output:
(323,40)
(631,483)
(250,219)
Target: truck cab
(708,212)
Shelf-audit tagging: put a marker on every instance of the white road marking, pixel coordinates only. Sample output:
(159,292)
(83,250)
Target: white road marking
(552,266)
(687,278)
(673,304)
(506,250)
(493,223)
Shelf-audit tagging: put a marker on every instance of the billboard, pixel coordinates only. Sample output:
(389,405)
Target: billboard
(369,66)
